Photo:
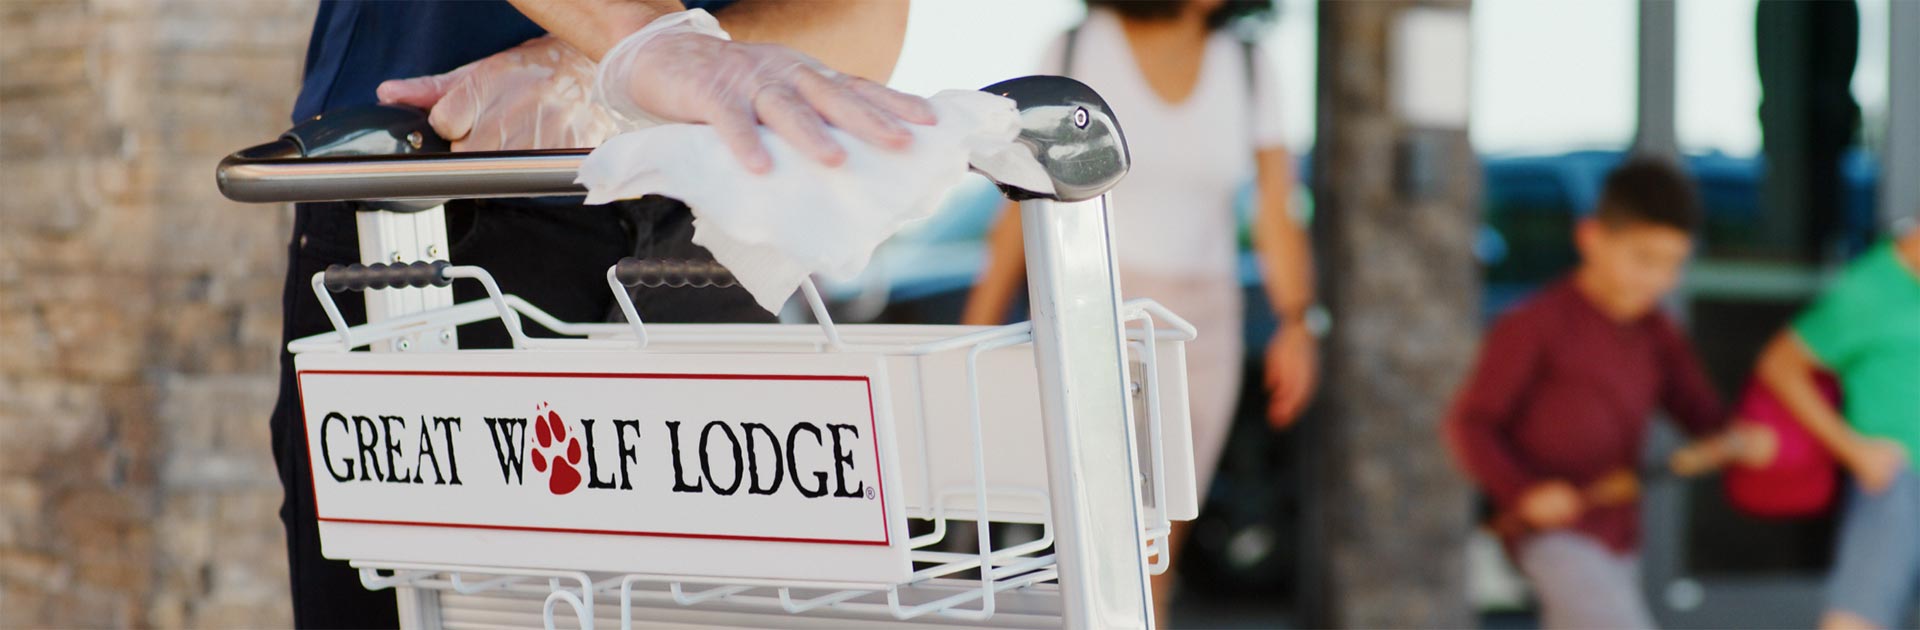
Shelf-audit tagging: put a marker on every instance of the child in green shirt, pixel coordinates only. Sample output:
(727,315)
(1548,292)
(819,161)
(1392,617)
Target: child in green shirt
(1865,329)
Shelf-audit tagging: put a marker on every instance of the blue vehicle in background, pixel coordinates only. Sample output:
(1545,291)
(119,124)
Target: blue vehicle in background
(1530,204)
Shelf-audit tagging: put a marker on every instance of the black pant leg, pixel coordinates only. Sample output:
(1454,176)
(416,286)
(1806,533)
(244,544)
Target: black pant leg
(326,593)
(550,252)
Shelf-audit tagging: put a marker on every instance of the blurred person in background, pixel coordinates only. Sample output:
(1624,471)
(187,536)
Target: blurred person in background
(1202,116)
(1552,421)
(1865,329)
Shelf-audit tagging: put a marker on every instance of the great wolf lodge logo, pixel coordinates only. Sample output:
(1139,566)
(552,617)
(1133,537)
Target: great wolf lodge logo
(549,433)
(806,459)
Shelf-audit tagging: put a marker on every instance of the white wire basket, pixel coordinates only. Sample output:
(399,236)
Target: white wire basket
(956,434)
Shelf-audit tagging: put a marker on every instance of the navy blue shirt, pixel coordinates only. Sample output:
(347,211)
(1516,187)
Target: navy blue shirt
(357,44)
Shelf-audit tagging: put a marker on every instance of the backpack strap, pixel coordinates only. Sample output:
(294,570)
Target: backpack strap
(1247,54)
(1246,67)
(1066,53)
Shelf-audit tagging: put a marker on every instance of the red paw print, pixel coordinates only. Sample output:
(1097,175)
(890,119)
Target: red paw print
(549,432)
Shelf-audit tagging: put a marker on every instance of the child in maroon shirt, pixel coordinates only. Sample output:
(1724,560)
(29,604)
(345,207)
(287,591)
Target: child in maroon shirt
(1553,419)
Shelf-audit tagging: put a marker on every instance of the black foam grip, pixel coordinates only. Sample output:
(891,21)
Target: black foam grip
(654,273)
(358,277)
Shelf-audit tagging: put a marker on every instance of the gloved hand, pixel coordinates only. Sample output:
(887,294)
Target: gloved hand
(683,68)
(537,95)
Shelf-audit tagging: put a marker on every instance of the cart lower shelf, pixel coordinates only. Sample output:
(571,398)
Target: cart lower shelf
(1036,606)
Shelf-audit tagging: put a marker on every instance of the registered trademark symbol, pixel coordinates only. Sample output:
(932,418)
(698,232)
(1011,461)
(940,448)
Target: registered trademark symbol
(869,493)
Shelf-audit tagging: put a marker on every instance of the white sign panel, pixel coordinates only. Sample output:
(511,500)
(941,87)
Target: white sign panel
(638,462)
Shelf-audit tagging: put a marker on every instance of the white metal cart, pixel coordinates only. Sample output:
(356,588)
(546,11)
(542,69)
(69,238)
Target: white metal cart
(733,475)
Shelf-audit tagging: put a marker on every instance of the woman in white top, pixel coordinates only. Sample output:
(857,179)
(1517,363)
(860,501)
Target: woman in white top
(1198,106)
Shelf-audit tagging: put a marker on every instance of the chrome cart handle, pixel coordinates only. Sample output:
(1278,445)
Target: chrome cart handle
(384,152)
(400,177)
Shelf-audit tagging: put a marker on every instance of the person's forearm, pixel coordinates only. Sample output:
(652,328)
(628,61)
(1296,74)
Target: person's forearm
(1000,277)
(1685,391)
(857,37)
(1286,254)
(1478,424)
(594,26)
(1787,369)
(1487,458)
(1286,263)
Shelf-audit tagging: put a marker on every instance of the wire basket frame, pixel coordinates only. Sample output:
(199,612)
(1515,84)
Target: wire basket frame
(945,584)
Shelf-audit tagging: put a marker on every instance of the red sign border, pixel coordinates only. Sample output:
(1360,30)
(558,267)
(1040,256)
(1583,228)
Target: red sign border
(872,427)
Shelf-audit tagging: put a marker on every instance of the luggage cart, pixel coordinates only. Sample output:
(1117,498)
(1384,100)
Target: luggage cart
(1074,423)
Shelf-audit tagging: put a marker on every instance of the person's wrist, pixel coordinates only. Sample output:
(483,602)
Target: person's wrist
(1858,452)
(1311,318)
(613,86)
(1738,444)
(1537,499)
(623,19)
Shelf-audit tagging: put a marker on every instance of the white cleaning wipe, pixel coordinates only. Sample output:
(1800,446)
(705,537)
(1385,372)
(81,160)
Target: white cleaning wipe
(802,218)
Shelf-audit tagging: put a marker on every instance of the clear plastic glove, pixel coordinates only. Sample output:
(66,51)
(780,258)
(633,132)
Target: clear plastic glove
(683,68)
(537,95)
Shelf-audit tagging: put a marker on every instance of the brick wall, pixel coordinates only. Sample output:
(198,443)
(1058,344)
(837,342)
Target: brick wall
(139,312)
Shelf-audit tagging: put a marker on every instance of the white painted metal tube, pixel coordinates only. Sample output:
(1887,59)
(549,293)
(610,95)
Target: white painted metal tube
(1091,462)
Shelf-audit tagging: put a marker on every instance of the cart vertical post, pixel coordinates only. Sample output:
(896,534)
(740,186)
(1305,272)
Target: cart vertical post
(1091,465)
(403,237)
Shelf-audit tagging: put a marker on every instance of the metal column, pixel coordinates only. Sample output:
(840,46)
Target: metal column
(1655,105)
(1091,465)
(1899,192)
(403,237)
